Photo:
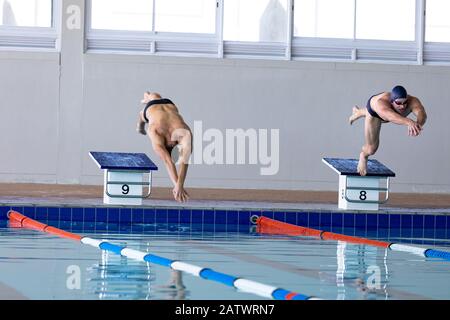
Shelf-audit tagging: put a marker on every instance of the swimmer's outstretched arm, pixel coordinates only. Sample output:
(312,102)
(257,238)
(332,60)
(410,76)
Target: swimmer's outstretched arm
(161,151)
(419,111)
(385,111)
(179,192)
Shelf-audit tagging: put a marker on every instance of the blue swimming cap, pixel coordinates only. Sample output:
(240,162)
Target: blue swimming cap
(398,92)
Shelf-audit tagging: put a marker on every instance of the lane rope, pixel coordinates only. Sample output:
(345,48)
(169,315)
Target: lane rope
(249,286)
(270,226)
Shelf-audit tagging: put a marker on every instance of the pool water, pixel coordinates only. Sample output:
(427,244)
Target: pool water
(42,266)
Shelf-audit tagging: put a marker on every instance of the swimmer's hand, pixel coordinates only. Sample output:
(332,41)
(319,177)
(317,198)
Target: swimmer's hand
(180,194)
(414,129)
(141,128)
(141,131)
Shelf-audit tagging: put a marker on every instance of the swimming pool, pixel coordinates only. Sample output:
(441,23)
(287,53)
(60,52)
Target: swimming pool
(42,266)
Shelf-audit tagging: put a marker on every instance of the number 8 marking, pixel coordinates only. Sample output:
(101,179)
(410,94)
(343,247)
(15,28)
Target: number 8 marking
(363,195)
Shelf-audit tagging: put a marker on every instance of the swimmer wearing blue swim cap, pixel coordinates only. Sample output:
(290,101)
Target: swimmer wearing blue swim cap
(393,106)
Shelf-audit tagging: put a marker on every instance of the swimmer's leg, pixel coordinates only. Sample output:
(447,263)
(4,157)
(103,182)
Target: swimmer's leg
(372,140)
(356,114)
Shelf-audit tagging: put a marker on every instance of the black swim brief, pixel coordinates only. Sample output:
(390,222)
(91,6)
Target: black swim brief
(370,110)
(150,103)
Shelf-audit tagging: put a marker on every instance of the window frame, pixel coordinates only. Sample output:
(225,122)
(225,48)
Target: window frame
(33,38)
(357,50)
(151,42)
(262,49)
(433,53)
(416,52)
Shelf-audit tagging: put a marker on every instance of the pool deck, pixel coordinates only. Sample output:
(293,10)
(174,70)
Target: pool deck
(19,194)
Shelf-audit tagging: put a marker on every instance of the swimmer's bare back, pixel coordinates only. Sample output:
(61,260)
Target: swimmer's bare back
(165,118)
(166,122)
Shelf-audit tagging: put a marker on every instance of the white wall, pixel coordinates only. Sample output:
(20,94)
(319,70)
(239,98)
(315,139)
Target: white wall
(29,86)
(49,122)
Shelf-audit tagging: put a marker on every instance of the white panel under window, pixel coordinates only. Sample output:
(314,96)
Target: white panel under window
(189,16)
(437,27)
(132,15)
(26,13)
(385,19)
(255,20)
(324,18)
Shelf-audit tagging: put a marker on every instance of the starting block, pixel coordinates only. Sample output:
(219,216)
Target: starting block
(360,192)
(124,176)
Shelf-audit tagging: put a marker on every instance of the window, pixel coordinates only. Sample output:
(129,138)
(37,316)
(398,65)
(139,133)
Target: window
(373,20)
(170,27)
(26,24)
(324,18)
(355,30)
(190,16)
(385,19)
(26,13)
(437,21)
(255,20)
(193,16)
(133,15)
(387,31)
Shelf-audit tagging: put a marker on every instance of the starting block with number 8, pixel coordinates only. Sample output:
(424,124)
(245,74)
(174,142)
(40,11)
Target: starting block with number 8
(360,192)
(124,176)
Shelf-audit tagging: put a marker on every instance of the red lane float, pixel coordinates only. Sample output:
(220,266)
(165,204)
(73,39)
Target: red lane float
(25,222)
(267,225)
(270,226)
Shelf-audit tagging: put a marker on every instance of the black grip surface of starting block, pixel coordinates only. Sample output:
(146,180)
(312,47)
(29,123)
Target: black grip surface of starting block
(349,167)
(123,161)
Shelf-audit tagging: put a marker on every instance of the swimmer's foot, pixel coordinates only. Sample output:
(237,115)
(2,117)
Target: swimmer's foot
(356,114)
(362,165)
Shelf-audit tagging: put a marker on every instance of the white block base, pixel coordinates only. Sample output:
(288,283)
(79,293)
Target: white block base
(123,190)
(361,194)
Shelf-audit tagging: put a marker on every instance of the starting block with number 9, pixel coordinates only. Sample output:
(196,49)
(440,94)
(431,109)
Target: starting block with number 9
(124,176)
(360,192)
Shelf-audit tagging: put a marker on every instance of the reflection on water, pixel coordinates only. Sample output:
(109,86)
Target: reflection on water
(175,288)
(116,277)
(358,267)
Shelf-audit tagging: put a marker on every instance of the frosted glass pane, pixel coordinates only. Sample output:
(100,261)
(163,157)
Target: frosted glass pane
(26,13)
(192,16)
(385,19)
(437,21)
(255,20)
(324,18)
(133,15)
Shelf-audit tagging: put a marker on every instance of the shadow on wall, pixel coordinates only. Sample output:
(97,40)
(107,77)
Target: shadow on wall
(8,17)
(272,27)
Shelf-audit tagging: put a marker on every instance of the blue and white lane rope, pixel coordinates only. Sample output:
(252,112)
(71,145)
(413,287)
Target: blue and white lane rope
(423,252)
(244,285)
